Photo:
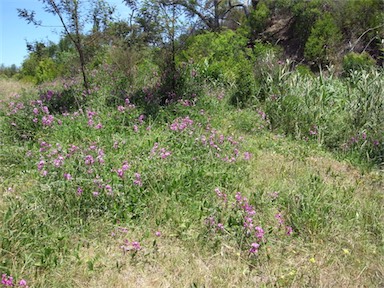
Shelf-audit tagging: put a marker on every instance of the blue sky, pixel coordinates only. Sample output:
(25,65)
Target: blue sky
(15,32)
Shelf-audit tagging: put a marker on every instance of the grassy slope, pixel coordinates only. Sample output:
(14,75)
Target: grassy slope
(334,208)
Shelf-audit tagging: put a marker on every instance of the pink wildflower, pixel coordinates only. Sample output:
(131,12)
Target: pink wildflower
(47,120)
(120,173)
(289,230)
(6,280)
(137,180)
(254,248)
(89,160)
(136,245)
(67,176)
(259,232)
(23,283)
(247,155)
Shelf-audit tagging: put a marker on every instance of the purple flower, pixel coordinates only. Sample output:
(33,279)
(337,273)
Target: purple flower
(279,218)
(137,180)
(158,233)
(6,280)
(221,195)
(79,191)
(136,245)
(259,232)
(238,197)
(125,166)
(59,161)
(99,126)
(210,221)
(45,109)
(89,160)
(40,165)
(247,155)
(67,176)
(120,173)
(23,283)
(121,108)
(93,147)
(181,124)
(248,223)
(141,118)
(100,159)
(254,248)
(164,153)
(289,230)
(47,120)
(90,114)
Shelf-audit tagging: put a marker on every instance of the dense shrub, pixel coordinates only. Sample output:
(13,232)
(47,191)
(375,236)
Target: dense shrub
(216,55)
(321,46)
(357,62)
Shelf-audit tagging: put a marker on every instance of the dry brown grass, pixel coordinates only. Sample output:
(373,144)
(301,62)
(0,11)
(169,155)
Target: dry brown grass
(10,87)
(180,264)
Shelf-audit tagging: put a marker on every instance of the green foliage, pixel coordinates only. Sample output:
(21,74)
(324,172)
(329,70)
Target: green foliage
(343,115)
(247,89)
(306,14)
(357,62)
(216,55)
(46,70)
(258,18)
(323,42)
(360,15)
(160,171)
(19,124)
(8,72)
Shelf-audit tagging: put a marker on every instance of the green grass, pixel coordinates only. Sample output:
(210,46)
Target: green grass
(55,235)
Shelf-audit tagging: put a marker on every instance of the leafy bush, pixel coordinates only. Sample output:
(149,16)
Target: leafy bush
(215,55)
(247,88)
(357,62)
(306,14)
(258,18)
(321,46)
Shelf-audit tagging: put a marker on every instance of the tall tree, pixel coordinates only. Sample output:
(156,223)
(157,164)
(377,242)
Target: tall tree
(72,21)
(211,12)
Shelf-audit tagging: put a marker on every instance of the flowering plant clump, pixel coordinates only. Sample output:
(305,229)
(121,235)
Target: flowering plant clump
(133,246)
(7,281)
(239,219)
